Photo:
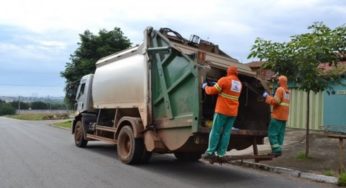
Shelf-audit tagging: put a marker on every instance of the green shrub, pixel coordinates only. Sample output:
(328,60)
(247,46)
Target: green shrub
(6,109)
(329,173)
(342,179)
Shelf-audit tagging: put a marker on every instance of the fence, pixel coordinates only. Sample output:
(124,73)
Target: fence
(298,104)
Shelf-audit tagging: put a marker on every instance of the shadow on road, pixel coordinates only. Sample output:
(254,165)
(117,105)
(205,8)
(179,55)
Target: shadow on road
(190,172)
(194,171)
(107,150)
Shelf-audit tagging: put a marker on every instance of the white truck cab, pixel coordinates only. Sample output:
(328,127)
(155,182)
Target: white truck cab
(83,97)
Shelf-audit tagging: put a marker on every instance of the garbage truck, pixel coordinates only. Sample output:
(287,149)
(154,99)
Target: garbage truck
(148,99)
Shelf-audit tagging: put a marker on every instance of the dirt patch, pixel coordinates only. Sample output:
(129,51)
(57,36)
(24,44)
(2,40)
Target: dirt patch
(323,157)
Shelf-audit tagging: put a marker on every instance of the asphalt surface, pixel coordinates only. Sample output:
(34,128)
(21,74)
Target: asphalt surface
(34,155)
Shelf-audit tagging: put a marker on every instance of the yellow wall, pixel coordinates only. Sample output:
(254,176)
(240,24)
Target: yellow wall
(297,114)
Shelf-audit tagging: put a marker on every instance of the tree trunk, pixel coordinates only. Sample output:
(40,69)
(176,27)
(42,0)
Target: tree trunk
(307,125)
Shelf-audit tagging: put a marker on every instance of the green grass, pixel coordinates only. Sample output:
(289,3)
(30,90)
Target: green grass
(28,116)
(38,116)
(301,156)
(329,173)
(342,179)
(64,124)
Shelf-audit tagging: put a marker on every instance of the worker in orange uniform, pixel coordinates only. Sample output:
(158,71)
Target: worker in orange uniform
(228,89)
(280,103)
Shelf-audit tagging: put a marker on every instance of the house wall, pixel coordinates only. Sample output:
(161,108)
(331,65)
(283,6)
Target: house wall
(335,109)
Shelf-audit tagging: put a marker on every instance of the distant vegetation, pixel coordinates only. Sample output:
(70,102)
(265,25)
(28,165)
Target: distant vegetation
(9,108)
(6,109)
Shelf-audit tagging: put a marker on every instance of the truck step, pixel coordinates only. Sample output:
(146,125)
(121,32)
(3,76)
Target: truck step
(105,128)
(243,132)
(108,140)
(229,158)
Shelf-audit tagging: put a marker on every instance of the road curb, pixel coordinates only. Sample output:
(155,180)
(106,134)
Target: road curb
(289,172)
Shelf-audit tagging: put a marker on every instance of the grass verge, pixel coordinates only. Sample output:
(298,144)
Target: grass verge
(39,116)
(329,173)
(28,116)
(64,124)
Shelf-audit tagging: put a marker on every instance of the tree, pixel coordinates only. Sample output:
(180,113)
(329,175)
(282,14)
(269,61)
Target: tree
(22,105)
(39,105)
(299,59)
(90,49)
(6,109)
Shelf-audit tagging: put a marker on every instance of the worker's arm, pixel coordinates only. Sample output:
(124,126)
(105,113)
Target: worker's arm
(216,89)
(277,99)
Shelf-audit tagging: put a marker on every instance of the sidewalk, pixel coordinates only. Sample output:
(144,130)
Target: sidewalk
(323,158)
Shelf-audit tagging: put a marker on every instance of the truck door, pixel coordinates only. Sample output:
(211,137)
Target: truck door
(81,96)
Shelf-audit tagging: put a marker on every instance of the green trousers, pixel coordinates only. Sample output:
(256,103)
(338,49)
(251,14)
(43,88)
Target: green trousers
(220,134)
(276,134)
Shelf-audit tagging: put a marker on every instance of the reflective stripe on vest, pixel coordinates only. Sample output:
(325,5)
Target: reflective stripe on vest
(231,97)
(218,88)
(284,104)
(277,99)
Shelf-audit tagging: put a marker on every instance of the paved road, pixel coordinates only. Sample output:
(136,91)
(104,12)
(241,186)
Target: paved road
(35,155)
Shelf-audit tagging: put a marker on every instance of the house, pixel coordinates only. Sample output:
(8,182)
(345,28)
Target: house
(264,74)
(327,108)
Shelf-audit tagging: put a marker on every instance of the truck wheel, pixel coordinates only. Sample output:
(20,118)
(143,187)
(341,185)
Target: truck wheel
(79,139)
(130,149)
(188,156)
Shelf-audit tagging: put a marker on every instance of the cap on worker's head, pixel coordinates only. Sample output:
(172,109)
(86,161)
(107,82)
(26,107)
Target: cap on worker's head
(282,80)
(232,70)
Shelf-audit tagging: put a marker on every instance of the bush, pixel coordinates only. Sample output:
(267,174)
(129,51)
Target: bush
(342,179)
(39,105)
(6,109)
(329,173)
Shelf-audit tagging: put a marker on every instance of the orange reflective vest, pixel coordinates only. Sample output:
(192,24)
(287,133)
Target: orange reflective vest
(280,104)
(228,89)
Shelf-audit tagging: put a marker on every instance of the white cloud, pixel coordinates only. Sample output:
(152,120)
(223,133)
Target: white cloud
(38,50)
(215,16)
(51,28)
(31,52)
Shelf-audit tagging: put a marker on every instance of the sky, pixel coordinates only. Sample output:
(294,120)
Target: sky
(38,36)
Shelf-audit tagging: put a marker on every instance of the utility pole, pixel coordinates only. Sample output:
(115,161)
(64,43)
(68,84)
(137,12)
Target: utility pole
(50,107)
(18,103)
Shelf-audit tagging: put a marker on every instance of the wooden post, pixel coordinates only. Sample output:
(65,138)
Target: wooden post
(307,125)
(341,156)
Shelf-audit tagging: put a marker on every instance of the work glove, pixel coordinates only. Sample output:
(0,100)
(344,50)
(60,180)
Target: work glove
(265,94)
(204,85)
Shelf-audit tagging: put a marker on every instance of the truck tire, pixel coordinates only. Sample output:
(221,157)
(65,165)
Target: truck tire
(188,156)
(130,149)
(79,139)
